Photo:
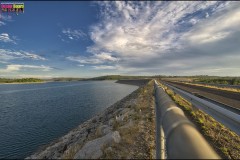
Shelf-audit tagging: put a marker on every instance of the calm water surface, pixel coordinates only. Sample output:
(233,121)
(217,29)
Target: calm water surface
(32,115)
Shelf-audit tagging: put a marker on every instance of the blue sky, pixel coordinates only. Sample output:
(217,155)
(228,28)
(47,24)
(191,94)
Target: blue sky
(88,39)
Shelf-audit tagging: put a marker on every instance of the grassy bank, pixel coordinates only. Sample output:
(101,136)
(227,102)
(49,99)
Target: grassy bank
(229,81)
(138,141)
(137,130)
(215,87)
(222,139)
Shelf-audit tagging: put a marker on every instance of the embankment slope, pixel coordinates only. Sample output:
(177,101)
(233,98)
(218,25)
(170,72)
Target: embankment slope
(124,130)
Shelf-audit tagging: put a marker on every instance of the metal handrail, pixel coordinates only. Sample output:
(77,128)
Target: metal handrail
(182,140)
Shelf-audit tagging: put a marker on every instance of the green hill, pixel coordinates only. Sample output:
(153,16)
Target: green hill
(22,80)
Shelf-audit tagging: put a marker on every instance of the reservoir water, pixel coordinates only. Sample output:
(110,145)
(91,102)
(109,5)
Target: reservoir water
(32,115)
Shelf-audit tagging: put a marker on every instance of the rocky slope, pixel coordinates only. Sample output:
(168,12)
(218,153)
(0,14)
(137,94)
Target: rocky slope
(124,130)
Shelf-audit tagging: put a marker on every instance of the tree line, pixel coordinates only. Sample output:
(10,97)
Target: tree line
(21,80)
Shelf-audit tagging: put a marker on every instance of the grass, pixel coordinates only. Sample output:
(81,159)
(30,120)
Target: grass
(222,139)
(223,80)
(71,152)
(137,141)
(216,87)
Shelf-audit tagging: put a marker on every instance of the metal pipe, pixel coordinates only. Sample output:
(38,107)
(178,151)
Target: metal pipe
(158,134)
(162,144)
(182,138)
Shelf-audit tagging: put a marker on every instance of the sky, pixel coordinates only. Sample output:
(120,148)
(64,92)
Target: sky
(89,39)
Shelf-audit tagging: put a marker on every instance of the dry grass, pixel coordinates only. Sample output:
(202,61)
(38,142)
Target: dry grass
(215,87)
(222,139)
(72,151)
(182,79)
(137,141)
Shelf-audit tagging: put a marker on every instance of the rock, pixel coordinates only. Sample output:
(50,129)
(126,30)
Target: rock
(109,116)
(103,130)
(116,136)
(119,118)
(63,149)
(92,149)
(111,122)
(124,114)
(109,149)
(128,125)
(94,120)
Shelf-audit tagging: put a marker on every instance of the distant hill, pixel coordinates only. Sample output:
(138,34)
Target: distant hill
(118,77)
(22,80)
(107,77)
(63,79)
(200,78)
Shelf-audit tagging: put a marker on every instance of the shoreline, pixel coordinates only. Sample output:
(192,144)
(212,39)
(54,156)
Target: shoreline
(112,124)
(136,82)
(24,83)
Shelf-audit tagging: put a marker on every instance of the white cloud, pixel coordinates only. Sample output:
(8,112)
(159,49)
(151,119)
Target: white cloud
(206,37)
(17,67)
(207,15)
(4,62)
(73,34)
(216,28)
(84,60)
(4,19)
(106,57)
(7,54)
(149,36)
(94,59)
(193,21)
(34,76)
(28,75)
(141,29)
(214,71)
(4,37)
(2,23)
(104,67)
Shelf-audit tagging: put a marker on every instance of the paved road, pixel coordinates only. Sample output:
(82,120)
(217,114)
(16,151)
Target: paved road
(227,97)
(226,117)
